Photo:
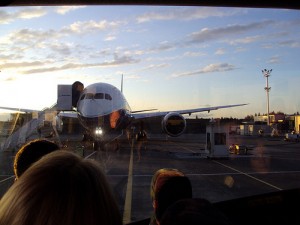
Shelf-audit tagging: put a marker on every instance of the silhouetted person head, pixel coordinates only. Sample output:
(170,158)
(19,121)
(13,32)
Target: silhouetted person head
(168,186)
(60,188)
(30,153)
(193,212)
(161,175)
(173,189)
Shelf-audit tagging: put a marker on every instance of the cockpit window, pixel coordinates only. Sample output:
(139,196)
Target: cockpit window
(99,96)
(108,97)
(89,96)
(82,97)
(96,96)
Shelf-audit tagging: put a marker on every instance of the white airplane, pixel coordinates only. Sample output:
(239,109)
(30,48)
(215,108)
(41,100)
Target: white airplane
(105,113)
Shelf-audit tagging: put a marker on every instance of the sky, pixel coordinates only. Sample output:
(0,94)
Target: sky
(171,57)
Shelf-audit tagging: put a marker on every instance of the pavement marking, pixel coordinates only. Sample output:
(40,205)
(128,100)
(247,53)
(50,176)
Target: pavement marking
(188,149)
(182,146)
(238,172)
(128,197)
(246,174)
(94,152)
(210,174)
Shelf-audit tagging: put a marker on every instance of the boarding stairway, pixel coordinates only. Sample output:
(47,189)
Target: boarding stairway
(39,127)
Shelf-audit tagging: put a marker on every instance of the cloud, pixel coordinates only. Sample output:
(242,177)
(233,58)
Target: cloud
(110,38)
(9,79)
(194,54)
(30,37)
(163,46)
(38,42)
(240,49)
(290,43)
(22,64)
(207,34)
(65,9)
(187,13)
(220,51)
(133,77)
(5,57)
(247,40)
(157,66)
(5,17)
(86,27)
(30,13)
(274,60)
(27,35)
(24,13)
(160,47)
(63,49)
(219,67)
(117,61)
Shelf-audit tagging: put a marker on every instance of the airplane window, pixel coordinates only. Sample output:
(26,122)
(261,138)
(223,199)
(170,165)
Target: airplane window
(99,96)
(214,91)
(82,97)
(108,97)
(220,138)
(89,96)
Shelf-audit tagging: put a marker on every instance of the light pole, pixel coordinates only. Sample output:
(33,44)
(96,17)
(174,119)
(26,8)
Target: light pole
(267,73)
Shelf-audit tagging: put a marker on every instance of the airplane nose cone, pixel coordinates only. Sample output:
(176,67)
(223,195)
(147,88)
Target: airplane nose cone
(94,108)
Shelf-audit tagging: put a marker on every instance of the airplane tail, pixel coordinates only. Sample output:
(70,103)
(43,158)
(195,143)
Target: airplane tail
(122,84)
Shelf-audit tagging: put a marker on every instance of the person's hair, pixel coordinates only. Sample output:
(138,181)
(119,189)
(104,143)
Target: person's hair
(159,177)
(60,188)
(31,152)
(173,189)
(193,212)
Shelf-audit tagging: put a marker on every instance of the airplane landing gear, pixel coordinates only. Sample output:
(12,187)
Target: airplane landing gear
(97,146)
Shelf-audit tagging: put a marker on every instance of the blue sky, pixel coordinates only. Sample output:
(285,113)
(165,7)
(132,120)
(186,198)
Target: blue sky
(171,57)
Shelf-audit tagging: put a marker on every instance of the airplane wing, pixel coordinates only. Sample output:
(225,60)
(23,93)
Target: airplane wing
(144,110)
(64,114)
(69,114)
(19,109)
(186,111)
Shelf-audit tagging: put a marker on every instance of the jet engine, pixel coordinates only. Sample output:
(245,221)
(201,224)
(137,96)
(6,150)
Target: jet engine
(173,124)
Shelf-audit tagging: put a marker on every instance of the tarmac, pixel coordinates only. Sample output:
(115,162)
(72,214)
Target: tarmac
(272,164)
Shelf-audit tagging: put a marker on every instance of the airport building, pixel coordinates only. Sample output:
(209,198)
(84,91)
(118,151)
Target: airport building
(279,123)
(294,121)
(274,118)
(297,124)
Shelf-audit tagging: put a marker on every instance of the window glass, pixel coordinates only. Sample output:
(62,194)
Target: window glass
(89,96)
(108,97)
(82,97)
(232,73)
(99,96)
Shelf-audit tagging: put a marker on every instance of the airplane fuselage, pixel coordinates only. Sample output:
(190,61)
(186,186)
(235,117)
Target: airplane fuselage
(103,111)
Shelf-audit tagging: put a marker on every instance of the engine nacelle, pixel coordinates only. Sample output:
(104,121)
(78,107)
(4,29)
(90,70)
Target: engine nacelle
(173,124)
